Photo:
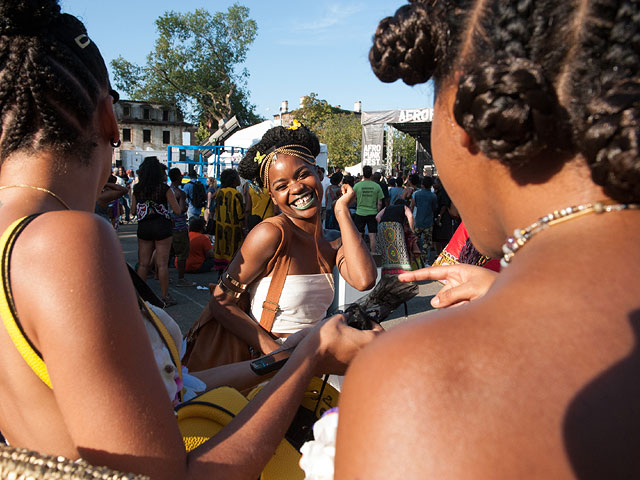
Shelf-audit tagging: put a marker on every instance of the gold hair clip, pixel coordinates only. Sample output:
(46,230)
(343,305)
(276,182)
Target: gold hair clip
(258,158)
(295,125)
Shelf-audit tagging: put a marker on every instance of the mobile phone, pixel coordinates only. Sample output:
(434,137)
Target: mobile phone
(271,362)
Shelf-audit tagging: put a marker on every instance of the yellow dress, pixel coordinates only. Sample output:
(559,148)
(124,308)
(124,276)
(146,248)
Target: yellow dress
(229,217)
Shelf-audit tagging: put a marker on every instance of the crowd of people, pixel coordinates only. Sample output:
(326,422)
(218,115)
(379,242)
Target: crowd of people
(533,375)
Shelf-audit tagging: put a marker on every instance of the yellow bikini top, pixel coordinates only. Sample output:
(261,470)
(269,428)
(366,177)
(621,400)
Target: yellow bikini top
(10,317)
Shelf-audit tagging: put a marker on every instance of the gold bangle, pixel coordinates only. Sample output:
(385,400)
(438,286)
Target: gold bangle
(234,282)
(227,291)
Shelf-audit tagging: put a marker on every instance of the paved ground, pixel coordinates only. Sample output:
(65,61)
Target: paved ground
(191,300)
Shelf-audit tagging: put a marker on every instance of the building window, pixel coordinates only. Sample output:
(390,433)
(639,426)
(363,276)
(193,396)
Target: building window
(146,136)
(126,111)
(146,114)
(126,134)
(166,137)
(165,116)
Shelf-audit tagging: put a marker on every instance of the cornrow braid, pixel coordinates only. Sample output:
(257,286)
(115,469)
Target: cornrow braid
(536,77)
(506,100)
(51,79)
(607,82)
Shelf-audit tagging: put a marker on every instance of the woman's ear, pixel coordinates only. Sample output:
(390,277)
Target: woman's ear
(467,142)
(108,125)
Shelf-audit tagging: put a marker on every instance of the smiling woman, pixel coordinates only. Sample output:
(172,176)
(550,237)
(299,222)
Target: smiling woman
(283,164)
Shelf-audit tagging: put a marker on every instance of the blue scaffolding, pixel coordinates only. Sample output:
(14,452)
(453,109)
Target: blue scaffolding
(199,162)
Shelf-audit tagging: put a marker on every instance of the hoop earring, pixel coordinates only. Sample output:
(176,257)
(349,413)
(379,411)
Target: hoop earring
(115,144)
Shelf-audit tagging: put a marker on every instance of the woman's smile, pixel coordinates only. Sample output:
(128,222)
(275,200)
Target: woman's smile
(304,201)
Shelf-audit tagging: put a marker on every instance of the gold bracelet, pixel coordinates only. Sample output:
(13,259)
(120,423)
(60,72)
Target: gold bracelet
(234,282)
(227,291)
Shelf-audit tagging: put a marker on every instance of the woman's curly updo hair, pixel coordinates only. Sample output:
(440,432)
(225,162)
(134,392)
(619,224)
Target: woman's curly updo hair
(273,138)
(51,79)
(536,78)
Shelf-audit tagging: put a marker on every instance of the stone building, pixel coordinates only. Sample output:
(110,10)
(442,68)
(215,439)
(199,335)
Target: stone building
(146,129)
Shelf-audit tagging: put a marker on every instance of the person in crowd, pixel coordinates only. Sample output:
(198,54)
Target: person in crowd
(283,163)
(258,204)
(210,210)
(106,202)
(151,201)
(229,219)
(369,198)
(324,180)
(180,229)
(196,195)
(412,185)
(331,195)
(379,179)
(534,136)
(100,396)
(201,252)
(443,223)
(392,241)
(395,191)
(123,180)
(425,203)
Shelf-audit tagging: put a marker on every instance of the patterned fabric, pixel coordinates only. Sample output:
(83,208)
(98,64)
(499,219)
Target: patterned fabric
(229,216)
(151,208)
(391,245)
(425,237)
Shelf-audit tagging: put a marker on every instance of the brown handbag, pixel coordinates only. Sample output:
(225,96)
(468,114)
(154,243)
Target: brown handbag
(210,344)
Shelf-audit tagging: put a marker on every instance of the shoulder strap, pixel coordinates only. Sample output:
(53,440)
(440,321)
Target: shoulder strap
(278,275)
(266,207)
(7,306)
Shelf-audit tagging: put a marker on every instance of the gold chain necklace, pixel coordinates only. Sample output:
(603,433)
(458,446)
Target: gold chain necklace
(522,235)
(40,189)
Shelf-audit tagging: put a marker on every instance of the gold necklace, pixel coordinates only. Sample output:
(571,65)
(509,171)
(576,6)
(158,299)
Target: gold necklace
(522,235)
(40,189)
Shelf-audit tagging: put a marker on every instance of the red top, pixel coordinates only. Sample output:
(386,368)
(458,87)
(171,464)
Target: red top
(199,245)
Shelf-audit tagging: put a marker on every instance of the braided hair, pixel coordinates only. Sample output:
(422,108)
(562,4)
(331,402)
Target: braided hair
(273,138)
(538,79)
(51,78)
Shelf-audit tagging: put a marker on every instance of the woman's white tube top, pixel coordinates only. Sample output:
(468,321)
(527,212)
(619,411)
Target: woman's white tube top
(304,301)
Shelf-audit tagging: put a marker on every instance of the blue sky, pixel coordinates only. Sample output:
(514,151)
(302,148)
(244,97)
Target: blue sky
(307,46)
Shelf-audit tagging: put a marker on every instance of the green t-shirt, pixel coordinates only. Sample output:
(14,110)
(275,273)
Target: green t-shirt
(368,193)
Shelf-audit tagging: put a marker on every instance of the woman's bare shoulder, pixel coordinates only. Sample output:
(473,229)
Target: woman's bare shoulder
(424,384)
(257,249)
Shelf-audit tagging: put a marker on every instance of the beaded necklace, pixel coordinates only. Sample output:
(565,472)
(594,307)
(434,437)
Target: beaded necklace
(522,235)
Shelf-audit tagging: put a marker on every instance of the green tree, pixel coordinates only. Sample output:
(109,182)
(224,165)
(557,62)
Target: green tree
(314,112)
(339,129)
(342,133)
(404,149)
(195,65)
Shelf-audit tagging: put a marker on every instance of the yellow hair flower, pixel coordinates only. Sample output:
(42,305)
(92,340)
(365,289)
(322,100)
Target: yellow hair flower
(295,125)
(258,158)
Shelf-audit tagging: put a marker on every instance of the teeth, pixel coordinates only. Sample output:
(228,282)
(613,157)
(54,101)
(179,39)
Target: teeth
(302,200)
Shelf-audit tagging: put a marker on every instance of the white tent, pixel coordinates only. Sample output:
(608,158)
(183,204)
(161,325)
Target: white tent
(249,136)
(354,170)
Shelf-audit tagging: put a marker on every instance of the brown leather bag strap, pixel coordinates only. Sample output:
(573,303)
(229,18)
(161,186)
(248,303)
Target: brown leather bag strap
(278,275)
